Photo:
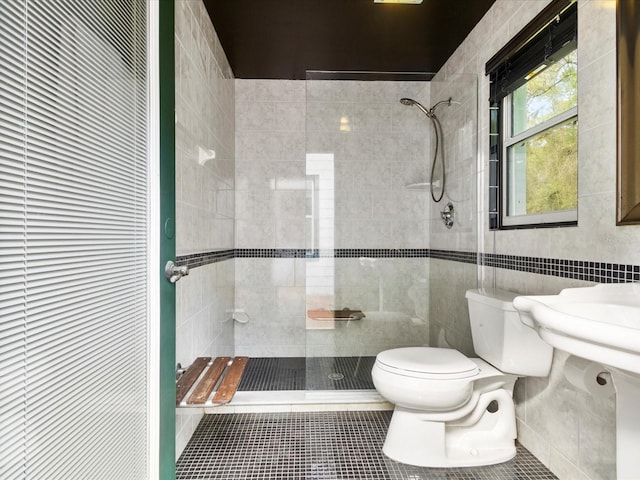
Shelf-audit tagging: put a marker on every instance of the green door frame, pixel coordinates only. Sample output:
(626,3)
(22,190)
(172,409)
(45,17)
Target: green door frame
(167,403)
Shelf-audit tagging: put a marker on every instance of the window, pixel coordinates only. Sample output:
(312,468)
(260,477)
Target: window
(540,147)
(534,134)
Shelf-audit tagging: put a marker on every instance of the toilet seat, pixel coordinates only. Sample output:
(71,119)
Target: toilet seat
(427,362)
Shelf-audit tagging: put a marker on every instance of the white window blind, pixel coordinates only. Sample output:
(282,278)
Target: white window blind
(73,239)
(12,240)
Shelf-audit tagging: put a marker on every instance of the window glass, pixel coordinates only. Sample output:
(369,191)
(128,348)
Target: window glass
(542,171)
(549,91)
(540,182)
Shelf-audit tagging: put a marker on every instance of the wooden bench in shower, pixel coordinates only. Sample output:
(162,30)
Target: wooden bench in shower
(204,375)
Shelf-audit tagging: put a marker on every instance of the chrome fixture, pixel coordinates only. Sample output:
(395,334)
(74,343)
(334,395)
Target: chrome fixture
(439,145)
(174,272)
(179,371)
(431,113)
(448,215)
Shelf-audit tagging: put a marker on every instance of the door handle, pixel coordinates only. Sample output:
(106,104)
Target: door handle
(174,272)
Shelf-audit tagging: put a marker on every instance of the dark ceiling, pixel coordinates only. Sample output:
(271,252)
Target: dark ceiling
(282,39)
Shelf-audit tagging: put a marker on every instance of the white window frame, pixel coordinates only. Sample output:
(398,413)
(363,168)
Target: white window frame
(508,140)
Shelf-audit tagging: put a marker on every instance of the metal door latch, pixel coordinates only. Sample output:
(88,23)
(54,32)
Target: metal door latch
(174,272)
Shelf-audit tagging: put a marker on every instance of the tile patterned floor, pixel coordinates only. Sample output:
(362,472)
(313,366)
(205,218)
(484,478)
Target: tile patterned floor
(318,446)
(313,373)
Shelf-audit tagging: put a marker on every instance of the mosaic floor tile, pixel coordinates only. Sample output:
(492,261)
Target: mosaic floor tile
(318,446)
(313,373)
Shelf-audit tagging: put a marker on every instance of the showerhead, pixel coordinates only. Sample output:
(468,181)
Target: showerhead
(411,102)
(430,113)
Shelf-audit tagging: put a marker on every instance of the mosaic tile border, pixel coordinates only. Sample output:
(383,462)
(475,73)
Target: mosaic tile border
(455,255)
(591,271)
(600,272)
(272,253)
(201,259)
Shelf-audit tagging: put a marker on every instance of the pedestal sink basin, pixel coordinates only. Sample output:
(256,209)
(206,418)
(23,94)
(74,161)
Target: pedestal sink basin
(600,323)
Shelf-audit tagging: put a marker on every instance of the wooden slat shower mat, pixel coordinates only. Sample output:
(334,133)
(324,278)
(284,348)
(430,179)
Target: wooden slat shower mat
(202,377)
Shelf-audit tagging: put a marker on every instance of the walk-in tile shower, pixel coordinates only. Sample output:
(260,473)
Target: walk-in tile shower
(334,219)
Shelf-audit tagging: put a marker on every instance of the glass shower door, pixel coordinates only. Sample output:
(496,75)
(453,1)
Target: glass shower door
(366,270)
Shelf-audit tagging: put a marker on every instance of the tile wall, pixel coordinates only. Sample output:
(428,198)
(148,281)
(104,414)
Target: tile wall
(270,214)
(565,428)
(362,147)
(448,281)
(205,202)
(374,146)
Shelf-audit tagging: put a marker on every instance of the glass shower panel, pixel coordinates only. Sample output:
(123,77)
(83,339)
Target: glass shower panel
(453,259)
(367,230)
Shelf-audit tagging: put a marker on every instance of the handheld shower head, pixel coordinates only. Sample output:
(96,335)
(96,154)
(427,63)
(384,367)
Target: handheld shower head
(414,103)
(428,112)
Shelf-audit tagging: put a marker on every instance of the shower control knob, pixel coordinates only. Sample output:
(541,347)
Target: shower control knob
(447,215)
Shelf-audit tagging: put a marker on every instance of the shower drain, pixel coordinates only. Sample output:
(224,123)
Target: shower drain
(335,376)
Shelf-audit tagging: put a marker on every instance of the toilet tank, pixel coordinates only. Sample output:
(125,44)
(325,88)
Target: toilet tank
(500,338)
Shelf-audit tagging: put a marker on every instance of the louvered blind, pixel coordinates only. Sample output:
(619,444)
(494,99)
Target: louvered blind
(12,240)
(74,239)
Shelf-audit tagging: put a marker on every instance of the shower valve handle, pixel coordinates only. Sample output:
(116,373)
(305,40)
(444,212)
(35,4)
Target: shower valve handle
(447,215)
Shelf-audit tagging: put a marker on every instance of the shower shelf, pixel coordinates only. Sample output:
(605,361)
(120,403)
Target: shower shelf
(421,185)
(344,314)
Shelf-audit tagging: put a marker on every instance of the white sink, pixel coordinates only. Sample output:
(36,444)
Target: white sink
(600,323)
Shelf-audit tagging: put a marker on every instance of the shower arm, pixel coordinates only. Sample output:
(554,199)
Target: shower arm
(449,102)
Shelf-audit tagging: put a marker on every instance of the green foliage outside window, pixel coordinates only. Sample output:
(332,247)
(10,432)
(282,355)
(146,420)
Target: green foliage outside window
(551,178)
(547,94)
(543,166)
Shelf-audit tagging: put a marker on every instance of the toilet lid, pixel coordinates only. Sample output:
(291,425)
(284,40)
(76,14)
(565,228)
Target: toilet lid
(429,361)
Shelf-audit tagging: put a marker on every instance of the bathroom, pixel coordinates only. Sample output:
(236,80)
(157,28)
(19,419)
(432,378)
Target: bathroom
(270,233)
(267,127)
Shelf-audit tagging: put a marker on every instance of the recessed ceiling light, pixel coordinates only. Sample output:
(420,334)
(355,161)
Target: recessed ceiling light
(413,2)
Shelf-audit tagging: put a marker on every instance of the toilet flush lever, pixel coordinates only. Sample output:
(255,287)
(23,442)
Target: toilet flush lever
(174,272)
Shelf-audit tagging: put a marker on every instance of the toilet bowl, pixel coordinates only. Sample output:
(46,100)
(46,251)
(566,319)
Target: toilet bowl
(436,379)
(455,411)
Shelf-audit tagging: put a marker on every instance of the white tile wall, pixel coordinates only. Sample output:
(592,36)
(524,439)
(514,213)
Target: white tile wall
(205,201)
(270,170)
(276,293)
(271,292)
(384,149)
(460,138)
(448,314)
(392,293)
(278,123)
(568,430)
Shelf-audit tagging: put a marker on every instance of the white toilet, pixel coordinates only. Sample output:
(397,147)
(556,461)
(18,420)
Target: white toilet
(454,411)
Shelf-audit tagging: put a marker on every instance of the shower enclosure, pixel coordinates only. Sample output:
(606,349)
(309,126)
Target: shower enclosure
(358,280)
